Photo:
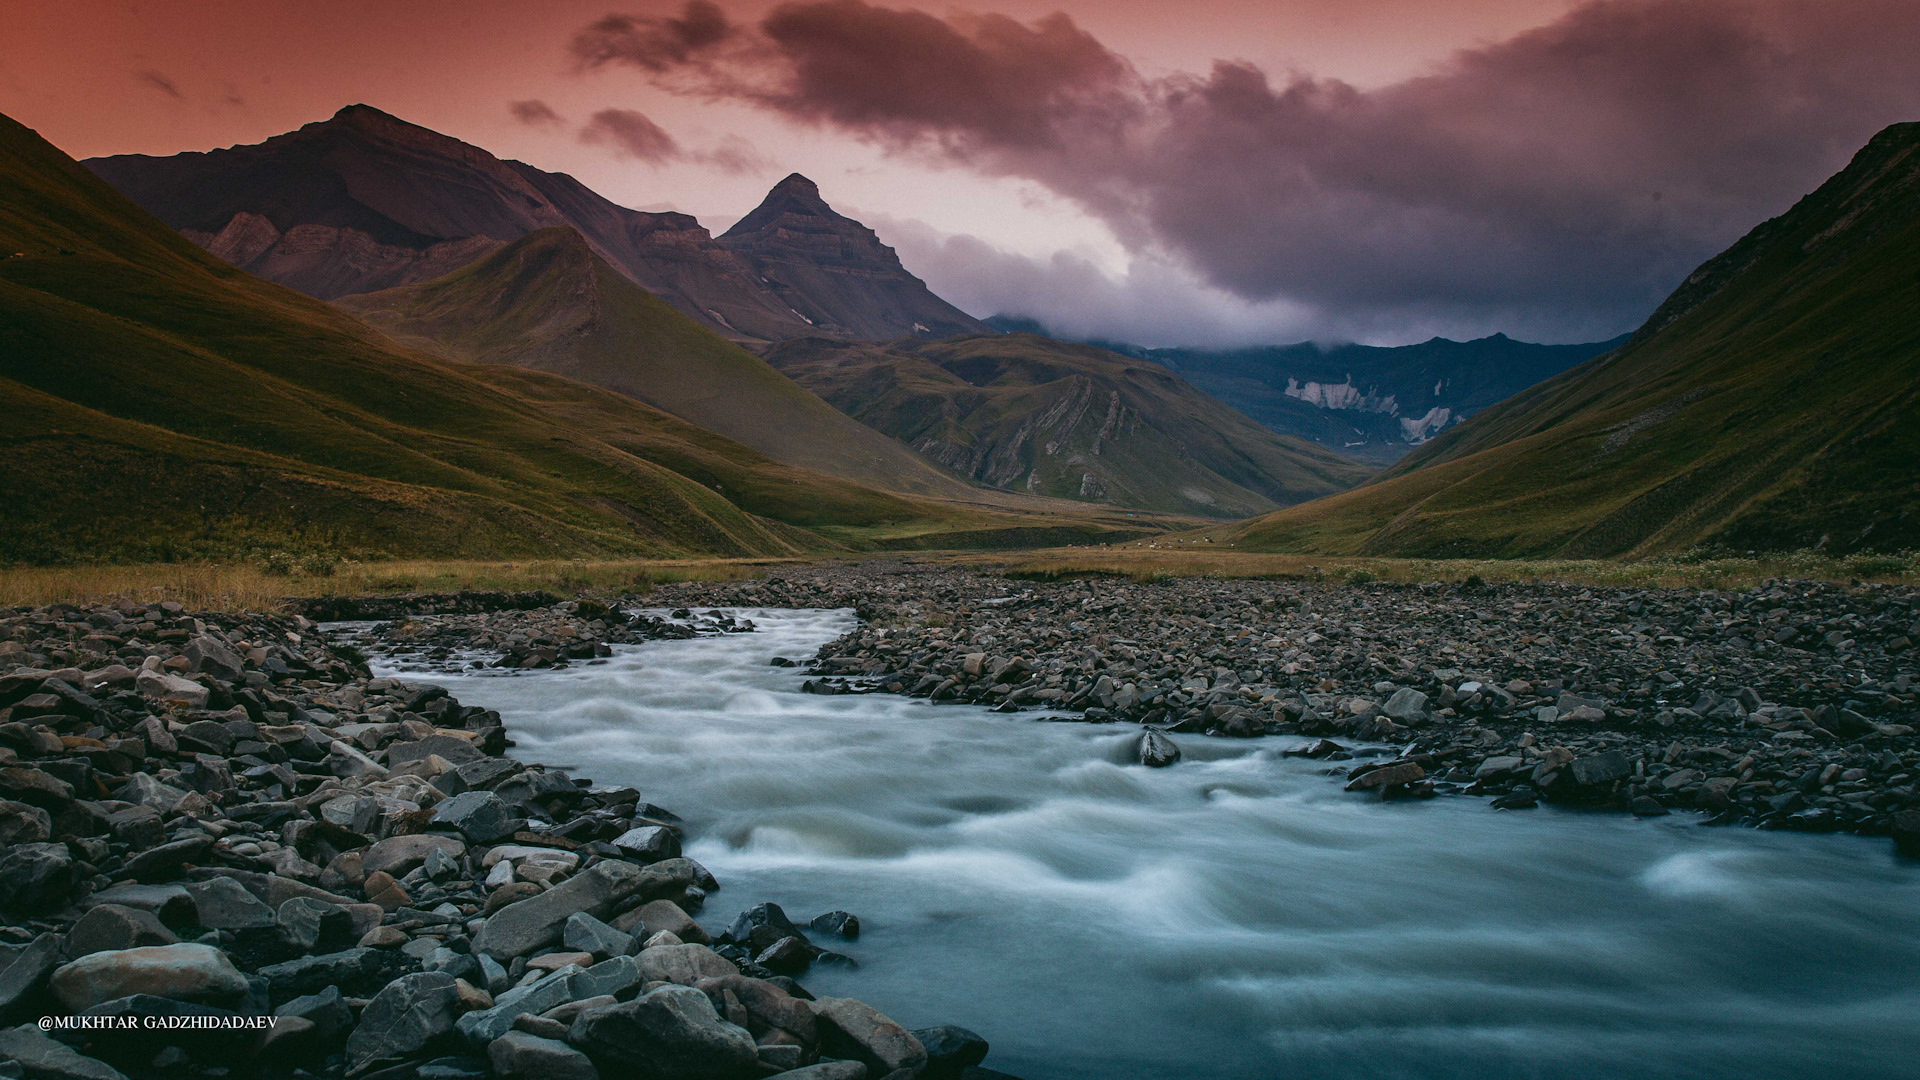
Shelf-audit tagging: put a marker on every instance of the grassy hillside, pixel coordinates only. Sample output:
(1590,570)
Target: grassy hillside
(1026,413)
(1772,402)
(547,302)
(160,404)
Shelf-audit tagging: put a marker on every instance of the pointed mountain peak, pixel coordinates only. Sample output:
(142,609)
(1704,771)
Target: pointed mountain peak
(796,183)
(794,195)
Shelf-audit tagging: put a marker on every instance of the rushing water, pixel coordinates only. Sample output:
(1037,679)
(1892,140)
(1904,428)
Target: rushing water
(1236,915)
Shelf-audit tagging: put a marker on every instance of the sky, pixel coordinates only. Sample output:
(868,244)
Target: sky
(1213,173)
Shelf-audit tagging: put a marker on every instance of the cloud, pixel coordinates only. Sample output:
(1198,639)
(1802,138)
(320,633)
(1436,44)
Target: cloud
(535,113)
(1569,176)
(159,82)
(632,135)
(733,155)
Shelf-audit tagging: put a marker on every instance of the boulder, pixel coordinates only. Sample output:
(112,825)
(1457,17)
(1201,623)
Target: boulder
(590,935)
(327,1011)
(35,787)
(838,923)
(950,1049)
(1597,769)
(225,904)
(171,904)
(649,843)
(683,964)
(40,1057)
(111,928)
(207,654)
(138,827)
(396,855)
(310,925)
(409,1015)
(772,1014)
(536,922)
(171,689)
(480,816)
(480,1028)
(35,878)
(454,749)
(673,1033)
(857,1031)
(1402,772)
(23,979)
(184,972)
(518,1054)
(1405,706)
(358,971)
(165,862)
(1155,750)
(23,823)
(656,916)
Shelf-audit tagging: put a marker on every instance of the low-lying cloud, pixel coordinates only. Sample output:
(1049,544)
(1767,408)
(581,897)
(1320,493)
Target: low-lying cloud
(1565,178)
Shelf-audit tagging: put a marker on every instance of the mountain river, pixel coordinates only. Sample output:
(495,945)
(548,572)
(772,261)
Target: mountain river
(1235,915)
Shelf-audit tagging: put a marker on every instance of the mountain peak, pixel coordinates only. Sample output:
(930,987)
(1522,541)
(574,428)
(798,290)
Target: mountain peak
(797,182)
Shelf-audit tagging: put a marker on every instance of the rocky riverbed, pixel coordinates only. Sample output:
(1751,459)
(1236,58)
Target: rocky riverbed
(227,850)
(1790,705)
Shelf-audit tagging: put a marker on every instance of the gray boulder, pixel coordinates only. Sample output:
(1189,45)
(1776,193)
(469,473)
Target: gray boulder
(673,1033)
(480,816)
(518,1054)
(649,843)
(525,926)
(23,979)
(655,916)
(138,827)
(396,855)
(1156,751)
(225,904)
(171,904)
(311,925)
(327,1011)
(1604,768)
(110,927)
(857,1031)
(23,823)
(585,933)
(35,878)
(413,1013)
(184,972)
(950,1049)
(216,659)
(1406,705)
(357,971)
(683,964)
(42,1058)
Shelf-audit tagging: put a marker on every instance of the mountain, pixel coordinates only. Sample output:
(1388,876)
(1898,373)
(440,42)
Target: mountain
(548,301)
(158,404)
(366,201)
(1772,402)
(1371,403)
(835,272)
(1026,413)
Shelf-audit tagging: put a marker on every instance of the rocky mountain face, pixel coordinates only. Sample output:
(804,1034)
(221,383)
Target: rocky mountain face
(1773,401)
(366,201)
(835,272)
(1373,404)
(1026,413)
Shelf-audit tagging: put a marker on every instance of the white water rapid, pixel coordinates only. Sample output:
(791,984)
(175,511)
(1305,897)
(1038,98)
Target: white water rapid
(1235,915)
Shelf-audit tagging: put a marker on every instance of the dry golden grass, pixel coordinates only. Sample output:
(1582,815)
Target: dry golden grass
(250,587)
(1151,564)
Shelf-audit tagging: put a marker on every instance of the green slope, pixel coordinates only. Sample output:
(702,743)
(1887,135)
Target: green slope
(1772,402)
(1028,413)
(547,302)
(160,404)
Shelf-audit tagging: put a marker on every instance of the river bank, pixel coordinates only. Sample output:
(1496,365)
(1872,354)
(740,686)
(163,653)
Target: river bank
(228,849)
(1787,705)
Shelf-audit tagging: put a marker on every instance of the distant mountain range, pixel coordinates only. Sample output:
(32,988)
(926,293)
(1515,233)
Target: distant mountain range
(365,201)
(1026,413)
(1773,401)
(161,405)
(1370,403)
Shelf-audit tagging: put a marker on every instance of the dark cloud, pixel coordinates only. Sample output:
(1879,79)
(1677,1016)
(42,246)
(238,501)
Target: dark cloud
(733,155)
(631,134)
(535,113)
(159,82)
(1574,173)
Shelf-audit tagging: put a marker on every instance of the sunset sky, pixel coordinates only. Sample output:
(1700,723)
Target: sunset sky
(1200,173)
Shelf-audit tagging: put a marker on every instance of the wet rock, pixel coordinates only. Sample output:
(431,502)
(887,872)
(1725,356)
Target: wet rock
(35,878)
(857,1031)
(518,1054)
(950,1049)
(1388,775)
(184,972)
(406,1018)
(480,816)
(1156,751)
(649,843)
(838,923)
(673,1033)
(1646,806)
(111,928)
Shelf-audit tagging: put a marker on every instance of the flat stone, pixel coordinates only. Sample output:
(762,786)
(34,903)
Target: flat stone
(536,922)
(184,972)
(166,861)
(225,904)
(358,971)
(590,935)
(683,964)
(396,855)
(171,904)
(110,928)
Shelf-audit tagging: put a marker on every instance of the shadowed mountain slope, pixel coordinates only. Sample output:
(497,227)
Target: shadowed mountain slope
(549,302)
(1027,413)
(159,404)
(836,272)
(366,201)
(1773,401)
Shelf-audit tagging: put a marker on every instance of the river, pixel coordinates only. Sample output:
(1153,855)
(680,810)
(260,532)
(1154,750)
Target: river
(1236,915)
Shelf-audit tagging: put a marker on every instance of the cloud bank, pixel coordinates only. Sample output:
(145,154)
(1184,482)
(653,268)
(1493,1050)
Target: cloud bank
(1564,179)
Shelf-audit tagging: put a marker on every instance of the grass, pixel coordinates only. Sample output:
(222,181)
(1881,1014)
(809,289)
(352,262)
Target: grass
(1695,570)
(256,587)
